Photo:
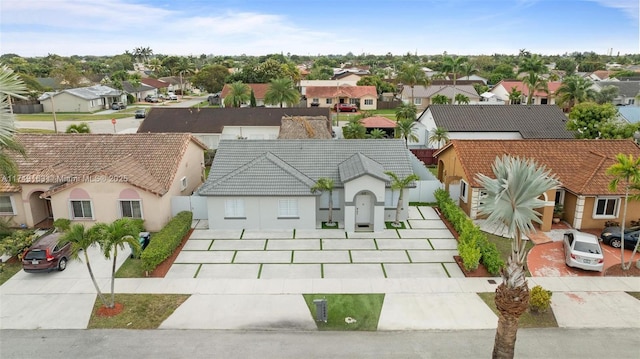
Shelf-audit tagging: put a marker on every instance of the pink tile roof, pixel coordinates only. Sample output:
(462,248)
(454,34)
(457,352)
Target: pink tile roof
(259,90)
(154,83)
(508,85)
(378,122)
(342,91)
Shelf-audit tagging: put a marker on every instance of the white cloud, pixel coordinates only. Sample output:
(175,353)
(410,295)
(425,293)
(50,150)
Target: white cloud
(629,7)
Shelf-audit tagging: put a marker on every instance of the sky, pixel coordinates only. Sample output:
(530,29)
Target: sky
(32,28)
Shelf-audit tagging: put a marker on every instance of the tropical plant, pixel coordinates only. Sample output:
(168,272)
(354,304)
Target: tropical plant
(10,86)
(574,89)
(453,65)
(238,94)
(112,237)
(412,75)
(406,111)
(440,100)
(399,184)
(184,68)
(324,184)
(78,128)
(534,83)
(438,136)
(281,91)
(512,199)
(606,94)
(540,299)
(515,96)
(626,170)
(252,99)
(377,133)
(354,129)
(588,119)
(461,99)
(405,129)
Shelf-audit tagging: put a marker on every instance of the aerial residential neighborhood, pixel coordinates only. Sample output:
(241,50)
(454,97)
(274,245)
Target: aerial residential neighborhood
(246,184)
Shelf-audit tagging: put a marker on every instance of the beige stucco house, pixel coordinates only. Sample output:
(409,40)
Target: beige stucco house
(90,178)
(82,99)
(365,97)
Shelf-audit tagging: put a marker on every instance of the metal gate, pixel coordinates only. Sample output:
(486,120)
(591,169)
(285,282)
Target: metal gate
(196,204)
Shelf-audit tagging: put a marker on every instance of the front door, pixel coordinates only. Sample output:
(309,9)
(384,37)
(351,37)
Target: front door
(363,209)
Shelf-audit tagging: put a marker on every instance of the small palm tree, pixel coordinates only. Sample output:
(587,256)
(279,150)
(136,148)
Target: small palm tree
(238,94)
(515,96)
(377,133)
(461,99)
(324,184)
(440,100)
(406,111)
(405,130)
(438,136)
(398,183)
(81,240)
(626,169)
(573,90)
(512,199)
(78,128)
(10,86)
(534,82)
(354,129)
(281,91)
(113,236)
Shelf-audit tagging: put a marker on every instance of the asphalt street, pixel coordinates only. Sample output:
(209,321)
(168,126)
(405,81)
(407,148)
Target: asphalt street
(531,343)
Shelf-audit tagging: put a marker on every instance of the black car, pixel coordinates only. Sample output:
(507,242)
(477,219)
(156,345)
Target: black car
(141,113)
(611,236)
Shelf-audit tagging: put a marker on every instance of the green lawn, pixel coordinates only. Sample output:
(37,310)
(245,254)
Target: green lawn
(433,170)
(131,268)
(128,112)
(8,270)
(141,311)
(364,308)
(504,245)
(634,294)
(528,319)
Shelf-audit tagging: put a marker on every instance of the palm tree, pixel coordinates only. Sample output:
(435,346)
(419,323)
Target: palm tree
(438,136)
(515,96)
(406,111)
(467,69)
(10,86)
(626,169)
(354,129)
(156,66)
(412,75)
(533,64)
(573,90)
(81,240)
(534,82)
(453,65)
(185,68)
(324,184)
(461,99)
(78,128)
(377,133)
(113,236)
(404,130)
(440,100)
(512,199)
(281,91)
(238,94)
(398,183)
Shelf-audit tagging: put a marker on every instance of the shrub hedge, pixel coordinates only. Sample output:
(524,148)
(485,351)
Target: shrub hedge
(165,242)
(472,241)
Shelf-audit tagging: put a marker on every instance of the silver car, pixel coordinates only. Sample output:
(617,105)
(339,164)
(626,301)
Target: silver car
(582,250)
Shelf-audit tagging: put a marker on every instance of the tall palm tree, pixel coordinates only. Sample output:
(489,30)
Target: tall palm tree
(453,65)
(78,128)
(511,201)
(626,169)
(81,240)
(281,91)
(184,68)
(406,111)
(10,86)
(324,184)
(405,130)
(238,94)
(156,66)
(354,129)
(438,136)
(534,83)
(398,183)
(412,75)
(113,236)
(573,90)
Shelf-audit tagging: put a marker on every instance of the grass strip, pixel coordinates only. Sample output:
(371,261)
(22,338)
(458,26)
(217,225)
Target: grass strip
(527,319)
(141,311)
(364,308)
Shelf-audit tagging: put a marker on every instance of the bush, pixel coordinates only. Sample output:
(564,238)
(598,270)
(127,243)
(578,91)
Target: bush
(17,243)
(491,256)
(62,224)
(470,254)
(539,299)
(165,242)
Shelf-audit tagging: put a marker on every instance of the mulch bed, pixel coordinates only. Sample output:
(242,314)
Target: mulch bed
(162,269)
(617,271)
(110,312)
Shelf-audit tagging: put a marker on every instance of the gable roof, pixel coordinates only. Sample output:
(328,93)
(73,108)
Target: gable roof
(378,122)
(312,159)
(359,165)
(535,121)
(86,93)
(579,164)
(128,87)
(159,84)
(553,87)
(446,90)
(213,120)
(147,161)
(625,88)
(259,90)
(342,90)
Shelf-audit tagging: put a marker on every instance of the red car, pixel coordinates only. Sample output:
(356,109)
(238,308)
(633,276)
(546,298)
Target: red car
(46,255)
(345,107)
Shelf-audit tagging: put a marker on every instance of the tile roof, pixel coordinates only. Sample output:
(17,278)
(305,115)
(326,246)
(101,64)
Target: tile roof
(155,83)
(213,120)
(343,90)
(147,161)
(519,85)
(251,168)
(535,121)
(259,90)
(446,90)
(87,93)
(128,87)
(625,88)
(359,165)
(579,165)
(378,122)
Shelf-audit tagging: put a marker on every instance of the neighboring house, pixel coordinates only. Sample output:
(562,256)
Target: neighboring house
(140,92)
(422,95)
(627,91)
(305,127)
(160,86)
(578,164)
(601,75)
(325,83)
(267,184)
(82,99)
(174,83)
(503,88)
(365,97)
(90,178)
(630,114)
(210,125)
(474,78)
(259,91)
(380,122)
(508,122)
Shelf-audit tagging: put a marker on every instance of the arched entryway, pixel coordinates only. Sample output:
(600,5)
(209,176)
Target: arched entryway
(41,212)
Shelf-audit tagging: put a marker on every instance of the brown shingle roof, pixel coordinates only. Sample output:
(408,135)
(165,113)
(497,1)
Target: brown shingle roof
(333,91)
(154,83)
(147,161)
(580,165)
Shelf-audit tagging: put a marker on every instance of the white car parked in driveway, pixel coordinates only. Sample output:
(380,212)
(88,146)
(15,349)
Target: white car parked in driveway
(582,250)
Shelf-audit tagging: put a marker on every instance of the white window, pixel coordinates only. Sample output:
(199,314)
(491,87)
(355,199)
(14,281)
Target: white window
(353,101)
(6,205)
(81,209)
(183,183)
(417,101)
(234,208)
(631,101)
(315,100)
(324,200)
(368,101)
(606,207)
(131,208)
(288,208)
(391,198)
(329,101)
(464,190)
